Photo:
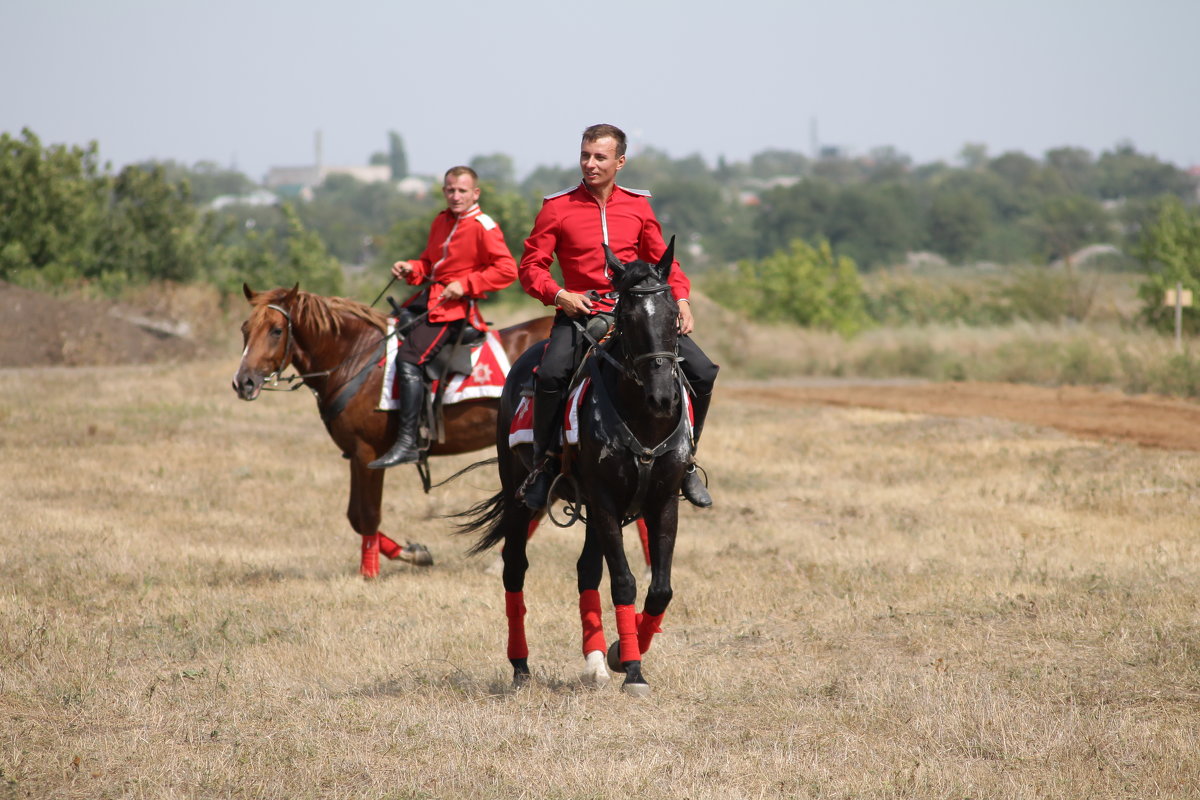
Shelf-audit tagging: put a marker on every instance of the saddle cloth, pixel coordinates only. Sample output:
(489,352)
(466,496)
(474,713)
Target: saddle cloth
(489,368)
(521,429)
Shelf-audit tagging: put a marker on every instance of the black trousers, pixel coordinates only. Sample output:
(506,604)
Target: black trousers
(425,340)
(567,346)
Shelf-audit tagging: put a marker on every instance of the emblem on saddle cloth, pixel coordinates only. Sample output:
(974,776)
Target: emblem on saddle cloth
(489,368)
(521,430)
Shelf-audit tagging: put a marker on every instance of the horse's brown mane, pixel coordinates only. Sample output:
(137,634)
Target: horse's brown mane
(324,314)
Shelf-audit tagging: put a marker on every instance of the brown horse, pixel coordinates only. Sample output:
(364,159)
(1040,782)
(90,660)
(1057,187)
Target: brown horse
(336,346)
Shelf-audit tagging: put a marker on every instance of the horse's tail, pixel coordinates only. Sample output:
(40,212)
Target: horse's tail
(487,462)
(486,516)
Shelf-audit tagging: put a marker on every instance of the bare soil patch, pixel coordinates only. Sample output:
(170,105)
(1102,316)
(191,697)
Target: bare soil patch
(1148,420)
(38,330)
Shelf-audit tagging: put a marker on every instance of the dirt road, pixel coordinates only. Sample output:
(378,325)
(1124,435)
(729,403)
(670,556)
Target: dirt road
(1148,420)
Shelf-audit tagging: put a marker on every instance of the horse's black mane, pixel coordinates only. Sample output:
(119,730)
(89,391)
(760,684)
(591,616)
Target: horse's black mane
(635,273)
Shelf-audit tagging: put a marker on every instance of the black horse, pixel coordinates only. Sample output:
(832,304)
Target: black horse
(634,447)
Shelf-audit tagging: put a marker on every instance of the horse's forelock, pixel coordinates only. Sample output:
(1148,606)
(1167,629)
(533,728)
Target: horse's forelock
(635,273)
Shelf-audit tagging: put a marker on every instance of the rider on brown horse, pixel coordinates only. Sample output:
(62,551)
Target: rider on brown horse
(574,225)
(465,257)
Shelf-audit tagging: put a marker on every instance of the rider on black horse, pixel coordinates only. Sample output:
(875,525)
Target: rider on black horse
(465,257)
(574,225)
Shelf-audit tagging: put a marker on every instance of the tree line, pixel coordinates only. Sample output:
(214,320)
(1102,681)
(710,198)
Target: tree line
(65,217)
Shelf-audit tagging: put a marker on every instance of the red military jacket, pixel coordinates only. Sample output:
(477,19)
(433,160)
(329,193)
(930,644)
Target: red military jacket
(469,249)
(574,226)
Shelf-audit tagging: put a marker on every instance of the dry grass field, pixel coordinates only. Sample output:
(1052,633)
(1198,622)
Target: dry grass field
(880,605)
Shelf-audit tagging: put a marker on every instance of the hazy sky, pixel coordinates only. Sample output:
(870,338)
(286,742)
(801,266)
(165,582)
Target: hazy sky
(249,82)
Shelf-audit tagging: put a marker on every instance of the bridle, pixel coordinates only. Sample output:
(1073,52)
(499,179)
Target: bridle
(629,367)
(275,376)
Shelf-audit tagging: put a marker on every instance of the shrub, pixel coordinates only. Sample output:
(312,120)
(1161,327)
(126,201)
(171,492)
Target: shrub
(804,285)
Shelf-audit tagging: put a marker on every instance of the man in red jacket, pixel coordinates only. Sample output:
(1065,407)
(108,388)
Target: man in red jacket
(574,225)
(465,257)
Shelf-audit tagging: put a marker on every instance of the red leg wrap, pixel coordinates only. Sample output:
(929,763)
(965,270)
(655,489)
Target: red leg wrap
(593,627)
(533,523)
(369,566)
(388,547)
(644,535)
(514,609)
(627,630)
(647,626)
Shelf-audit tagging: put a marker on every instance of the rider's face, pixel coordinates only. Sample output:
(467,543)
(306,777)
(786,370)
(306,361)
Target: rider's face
(461,193)
(599,162)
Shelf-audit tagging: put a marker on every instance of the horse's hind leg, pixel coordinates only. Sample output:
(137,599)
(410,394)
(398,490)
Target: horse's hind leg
(515,523)
(590,569)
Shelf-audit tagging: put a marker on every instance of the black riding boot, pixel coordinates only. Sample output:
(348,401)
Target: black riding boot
(547,416)
(693,488)
(412,398)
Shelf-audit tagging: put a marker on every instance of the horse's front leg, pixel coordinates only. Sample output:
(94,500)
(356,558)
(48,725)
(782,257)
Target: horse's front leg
(366,495)
(662,525)
(623,654)
(590,569)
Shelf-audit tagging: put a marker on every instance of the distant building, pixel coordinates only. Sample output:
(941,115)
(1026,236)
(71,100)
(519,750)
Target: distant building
(414,186)
(308,177)
(260,197)
(300,181)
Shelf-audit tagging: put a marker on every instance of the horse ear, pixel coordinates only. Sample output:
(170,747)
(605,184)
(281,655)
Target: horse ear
(668,258)
(291,295)
(613,263)
(250,293)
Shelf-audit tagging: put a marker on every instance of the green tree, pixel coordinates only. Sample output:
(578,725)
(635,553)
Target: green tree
(397,156)
(1123,172)
(152,230)
(784,214)
(958,221)
(496,169)
(1065,223)
(1075,166)
(272,258)
(875,225)
(774,163)
(206,180)
(52,207)
(1170,248)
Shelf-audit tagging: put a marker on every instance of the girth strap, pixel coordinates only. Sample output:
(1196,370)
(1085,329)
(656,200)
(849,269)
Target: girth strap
(333,409)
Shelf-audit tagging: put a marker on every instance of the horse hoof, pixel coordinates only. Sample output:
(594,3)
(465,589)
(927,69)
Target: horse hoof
(521,680)
(614,657)
(636,689)
(416,554)
(594,674)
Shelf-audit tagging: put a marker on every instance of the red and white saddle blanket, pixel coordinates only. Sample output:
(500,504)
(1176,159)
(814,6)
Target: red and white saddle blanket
(489,368)
(521,429)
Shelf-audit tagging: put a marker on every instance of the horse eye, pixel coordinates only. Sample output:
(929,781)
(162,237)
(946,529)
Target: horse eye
(276,332)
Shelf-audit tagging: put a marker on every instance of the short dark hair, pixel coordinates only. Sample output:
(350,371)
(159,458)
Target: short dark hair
(604,130)
(454,172)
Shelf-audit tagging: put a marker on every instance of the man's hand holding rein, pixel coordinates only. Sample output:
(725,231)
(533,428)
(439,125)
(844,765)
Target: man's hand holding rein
(572,304)
(686,323)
